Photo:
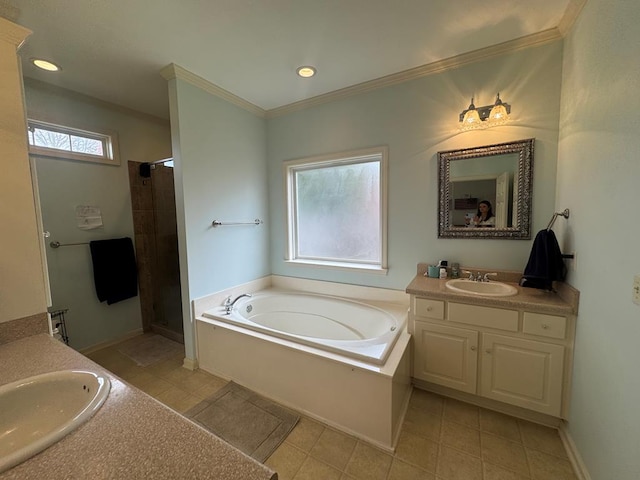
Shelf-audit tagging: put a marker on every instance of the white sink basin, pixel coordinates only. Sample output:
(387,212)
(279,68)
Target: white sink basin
(484,289)
(38,411)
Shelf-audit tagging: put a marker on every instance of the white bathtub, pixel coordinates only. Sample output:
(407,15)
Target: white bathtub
(343,362)
(346,327)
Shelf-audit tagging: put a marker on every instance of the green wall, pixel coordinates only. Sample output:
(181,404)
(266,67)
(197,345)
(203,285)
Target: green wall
(64,184)
(416,119)
(219,155)
(598,175)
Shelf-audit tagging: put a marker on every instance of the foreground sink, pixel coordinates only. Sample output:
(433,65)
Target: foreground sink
(38,411)
(484,289)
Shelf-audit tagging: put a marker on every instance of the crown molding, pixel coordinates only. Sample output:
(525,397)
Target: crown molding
(173,71)
(546,36)
(570,16)
(13,33)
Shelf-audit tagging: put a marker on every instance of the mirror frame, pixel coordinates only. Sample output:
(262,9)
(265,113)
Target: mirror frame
(522,231)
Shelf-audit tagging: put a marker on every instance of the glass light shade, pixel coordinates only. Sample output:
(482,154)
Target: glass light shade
(471,117)
(498,113)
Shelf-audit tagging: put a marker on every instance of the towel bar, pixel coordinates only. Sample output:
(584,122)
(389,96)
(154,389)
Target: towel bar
(564,213)
(218,223)
(58,244)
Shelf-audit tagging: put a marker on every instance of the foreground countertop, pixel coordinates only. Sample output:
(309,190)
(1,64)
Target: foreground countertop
(564,301)
(131,437)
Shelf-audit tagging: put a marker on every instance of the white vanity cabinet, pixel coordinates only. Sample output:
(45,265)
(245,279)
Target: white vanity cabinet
(446,356)
(516,356)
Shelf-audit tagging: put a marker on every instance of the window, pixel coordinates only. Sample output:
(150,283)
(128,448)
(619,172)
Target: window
(52,140)
(337,210)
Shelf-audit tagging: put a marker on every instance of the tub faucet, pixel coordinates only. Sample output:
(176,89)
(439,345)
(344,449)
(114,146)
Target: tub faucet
(228,303)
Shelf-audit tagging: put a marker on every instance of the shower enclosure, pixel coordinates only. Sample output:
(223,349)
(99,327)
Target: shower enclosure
(156,240)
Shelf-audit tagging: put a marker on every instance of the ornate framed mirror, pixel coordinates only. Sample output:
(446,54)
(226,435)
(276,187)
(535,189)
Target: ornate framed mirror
(486,192)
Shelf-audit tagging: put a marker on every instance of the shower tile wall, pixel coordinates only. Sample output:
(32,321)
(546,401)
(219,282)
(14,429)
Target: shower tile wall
(156,242)
(167,279)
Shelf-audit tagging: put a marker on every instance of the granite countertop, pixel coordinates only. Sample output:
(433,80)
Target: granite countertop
(131,437)
(564,301)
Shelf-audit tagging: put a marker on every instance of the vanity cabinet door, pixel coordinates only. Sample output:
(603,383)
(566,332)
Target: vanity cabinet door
(522,372)
(446,356)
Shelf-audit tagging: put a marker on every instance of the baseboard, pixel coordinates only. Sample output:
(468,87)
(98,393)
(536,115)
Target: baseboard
(108,343)
(190,363)
(166,332)
(579,468)
(518,412)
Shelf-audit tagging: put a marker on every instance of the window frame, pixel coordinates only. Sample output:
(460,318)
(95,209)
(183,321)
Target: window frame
(109,141)
(290,167)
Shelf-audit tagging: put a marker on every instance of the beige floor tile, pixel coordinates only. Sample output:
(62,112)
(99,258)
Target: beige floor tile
(180,377)
(494,472)
(539,437)
(475,443)
(455,465)
(286,460)
(403,471)
(150,384)
(500,424)
(545,466)
(177,399)
(209,388)
(368,463)
(426,401)
(196,380)
(129,374)
(99,356)
(113,361)
(463,438)
(313,469)
(334,448)
(422,423)
(163,367)
(305,434)
(418,451)
(460,412)
(505,453)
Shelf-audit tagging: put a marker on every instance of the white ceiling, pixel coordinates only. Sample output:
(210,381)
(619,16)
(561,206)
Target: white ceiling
(114,49)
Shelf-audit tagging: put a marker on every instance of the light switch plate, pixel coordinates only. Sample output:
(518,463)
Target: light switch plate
(636,289)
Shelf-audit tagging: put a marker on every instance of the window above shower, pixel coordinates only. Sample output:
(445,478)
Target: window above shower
(337,210)
(64,142)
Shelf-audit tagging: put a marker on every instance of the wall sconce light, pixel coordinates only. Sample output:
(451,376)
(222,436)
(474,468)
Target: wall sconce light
(487,116)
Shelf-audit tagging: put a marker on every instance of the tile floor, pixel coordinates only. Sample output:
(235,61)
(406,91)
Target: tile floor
(441,439)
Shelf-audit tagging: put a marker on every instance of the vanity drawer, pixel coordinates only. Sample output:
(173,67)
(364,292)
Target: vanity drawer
(425,307)
(551,326)
(483,316)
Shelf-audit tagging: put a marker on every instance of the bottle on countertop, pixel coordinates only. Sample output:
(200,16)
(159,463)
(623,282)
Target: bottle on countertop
(455,270)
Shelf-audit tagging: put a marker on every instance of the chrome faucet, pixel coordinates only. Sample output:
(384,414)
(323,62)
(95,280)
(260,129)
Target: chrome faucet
(228,303)
(486,276)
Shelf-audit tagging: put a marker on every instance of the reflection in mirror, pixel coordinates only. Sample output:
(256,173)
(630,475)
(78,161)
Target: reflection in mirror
(485,192)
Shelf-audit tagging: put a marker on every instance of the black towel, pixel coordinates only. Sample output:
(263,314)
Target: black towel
(114,269)
(545,262)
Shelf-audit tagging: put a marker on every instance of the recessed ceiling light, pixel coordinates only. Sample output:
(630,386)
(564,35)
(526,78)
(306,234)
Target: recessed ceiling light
(306,71)
(45,65)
